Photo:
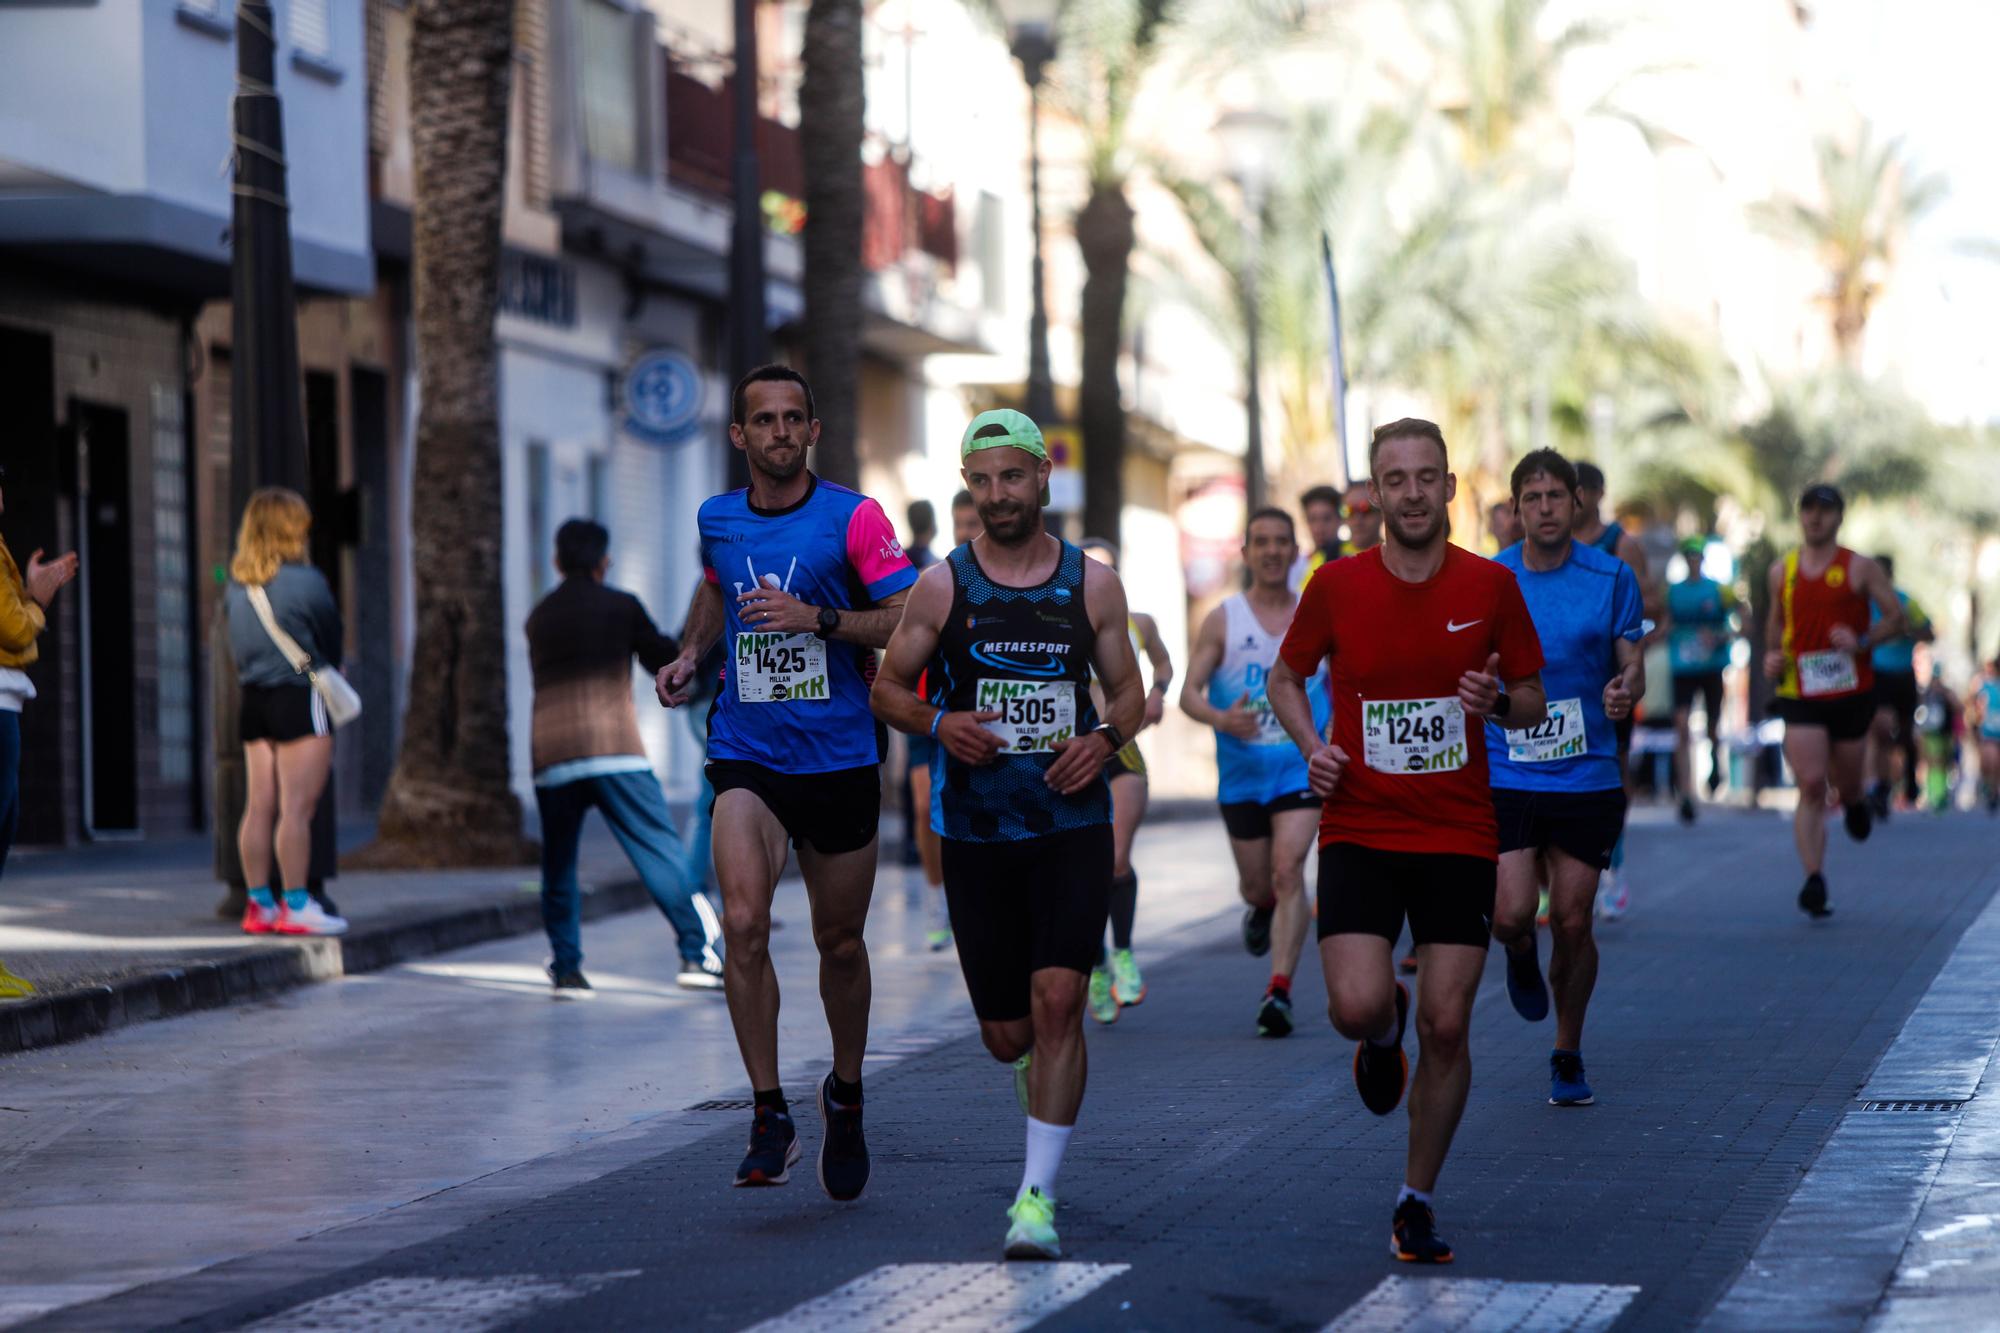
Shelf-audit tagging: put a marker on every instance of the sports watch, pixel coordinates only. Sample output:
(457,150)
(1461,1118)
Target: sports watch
(829,621)
(1110,733)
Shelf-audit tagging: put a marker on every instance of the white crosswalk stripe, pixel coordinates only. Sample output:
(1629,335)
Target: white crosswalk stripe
(1484,1305)
(465,1305)
(946,1298)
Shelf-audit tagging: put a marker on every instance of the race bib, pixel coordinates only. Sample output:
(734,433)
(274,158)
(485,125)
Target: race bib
(1413,735)
(1035,715)
(778,668)
(1696,649)
(1830,672)
(1560,735)
(1270,731)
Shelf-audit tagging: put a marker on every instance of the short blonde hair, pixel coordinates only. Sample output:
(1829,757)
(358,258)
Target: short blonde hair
(275,524)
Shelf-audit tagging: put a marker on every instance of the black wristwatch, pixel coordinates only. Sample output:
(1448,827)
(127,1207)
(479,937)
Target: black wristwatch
(1111,734)
(829,621)
(1503,706)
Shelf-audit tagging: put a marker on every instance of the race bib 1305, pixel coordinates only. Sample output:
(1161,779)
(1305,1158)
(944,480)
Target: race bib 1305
(1035,715)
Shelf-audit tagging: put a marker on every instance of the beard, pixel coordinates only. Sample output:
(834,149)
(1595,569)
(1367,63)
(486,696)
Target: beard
(778,471)
(1414,533)
(1010,524)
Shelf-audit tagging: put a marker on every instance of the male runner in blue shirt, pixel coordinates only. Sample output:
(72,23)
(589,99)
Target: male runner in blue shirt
(1557,788)
(804,577)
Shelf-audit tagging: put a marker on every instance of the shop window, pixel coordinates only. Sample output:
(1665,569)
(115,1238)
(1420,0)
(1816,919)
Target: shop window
(173,680)
(609,75)
(539,545)
(597,479)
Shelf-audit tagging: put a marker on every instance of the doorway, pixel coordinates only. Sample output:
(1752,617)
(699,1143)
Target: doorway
(36,489)
(101,438)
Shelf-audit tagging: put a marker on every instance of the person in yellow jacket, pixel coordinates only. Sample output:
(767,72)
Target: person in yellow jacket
(24,603)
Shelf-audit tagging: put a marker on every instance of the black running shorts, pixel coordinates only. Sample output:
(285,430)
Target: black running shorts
(1018,907)
(1127,762)
(1703,685)
(281,713)
(1586,824)
(1845,719)
(1448,898)
(830,812)
(1897,692)
(1248,821)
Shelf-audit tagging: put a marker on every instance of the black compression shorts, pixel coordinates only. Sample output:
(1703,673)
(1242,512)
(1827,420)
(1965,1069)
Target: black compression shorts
(1586,824)
(1019,907)
(830,812)
(1448,898)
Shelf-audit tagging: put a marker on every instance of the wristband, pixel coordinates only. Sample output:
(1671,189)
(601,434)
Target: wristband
(1503,705)
(936,718)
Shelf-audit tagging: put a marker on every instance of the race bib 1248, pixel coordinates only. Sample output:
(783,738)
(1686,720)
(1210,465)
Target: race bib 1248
(1413,735)
(779,668)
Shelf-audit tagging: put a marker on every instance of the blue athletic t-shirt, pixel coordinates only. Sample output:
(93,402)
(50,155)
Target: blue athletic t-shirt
(797,703)
(1580,610)
(1698,641)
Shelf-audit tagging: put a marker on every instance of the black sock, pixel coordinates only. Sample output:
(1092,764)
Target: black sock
(843,1093)
(775,1099)
(1124,906)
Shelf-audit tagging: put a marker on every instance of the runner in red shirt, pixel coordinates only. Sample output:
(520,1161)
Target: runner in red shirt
(1419,634)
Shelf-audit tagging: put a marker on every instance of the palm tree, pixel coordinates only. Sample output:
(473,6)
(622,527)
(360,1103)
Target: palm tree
(450,800)
(832,110)
(1871,194)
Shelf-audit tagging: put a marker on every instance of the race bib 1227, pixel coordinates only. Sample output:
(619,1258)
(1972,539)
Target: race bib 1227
(1560,735)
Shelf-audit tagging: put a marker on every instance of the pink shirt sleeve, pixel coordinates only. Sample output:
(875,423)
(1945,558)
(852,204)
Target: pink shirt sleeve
(875,552)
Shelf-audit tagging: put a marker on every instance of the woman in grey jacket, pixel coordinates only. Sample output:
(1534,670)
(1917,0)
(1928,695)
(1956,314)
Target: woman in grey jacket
(287,736)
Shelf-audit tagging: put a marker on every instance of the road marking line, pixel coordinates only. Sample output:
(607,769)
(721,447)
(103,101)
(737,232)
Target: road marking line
(950,1298)
(1484,1305)
(457,1303)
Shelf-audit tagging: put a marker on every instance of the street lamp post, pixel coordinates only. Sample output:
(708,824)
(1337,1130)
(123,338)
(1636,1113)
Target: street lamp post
(1251,139)
(1031,33)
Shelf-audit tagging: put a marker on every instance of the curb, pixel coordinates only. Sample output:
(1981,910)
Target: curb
(89,1011)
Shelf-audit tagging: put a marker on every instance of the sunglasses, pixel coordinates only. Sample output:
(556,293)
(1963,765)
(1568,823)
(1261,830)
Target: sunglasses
(1358,508)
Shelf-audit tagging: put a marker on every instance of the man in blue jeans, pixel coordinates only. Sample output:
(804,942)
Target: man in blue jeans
(587,754)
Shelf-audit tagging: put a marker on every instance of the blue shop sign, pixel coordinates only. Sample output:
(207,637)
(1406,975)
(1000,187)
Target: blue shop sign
(663,396)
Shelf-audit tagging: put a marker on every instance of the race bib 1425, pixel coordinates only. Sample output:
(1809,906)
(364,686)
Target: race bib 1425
(779,668)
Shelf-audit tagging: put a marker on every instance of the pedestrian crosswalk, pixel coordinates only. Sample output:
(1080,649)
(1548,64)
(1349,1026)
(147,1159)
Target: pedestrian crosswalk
(947,1298)
(464,1305)
(1484,1305)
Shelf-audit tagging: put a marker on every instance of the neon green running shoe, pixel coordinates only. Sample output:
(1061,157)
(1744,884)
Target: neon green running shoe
(1126,983)
(13,987)
(1021,1080)
(1032,1234)
(1103,1002)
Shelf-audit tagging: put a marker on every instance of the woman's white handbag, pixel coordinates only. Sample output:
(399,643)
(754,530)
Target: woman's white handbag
(343,705)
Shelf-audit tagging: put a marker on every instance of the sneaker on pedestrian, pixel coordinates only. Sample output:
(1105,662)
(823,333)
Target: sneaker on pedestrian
(1687,810)
(1031,1229)
(13,987)
(1021,1067)
(260,920)
(1614,898)
(937,937)
(570,985)
(774,1147)
(1126,984)
(1274,1014)
(1103,1004)
(1526,990)
(1381,1072)
(1812,897)
(699,974)
(1413,1235)
(1567,1086)
(1860,821)
(938,940)
(1257,930)
(843,1153)
(312,919)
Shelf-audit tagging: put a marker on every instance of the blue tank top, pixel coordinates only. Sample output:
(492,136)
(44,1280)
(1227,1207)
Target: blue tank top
(1026,654)
(1898,656)
(1269,767)
(1607,540)
(1698,642)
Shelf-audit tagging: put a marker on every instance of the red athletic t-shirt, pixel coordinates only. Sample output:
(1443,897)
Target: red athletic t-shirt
(1397,650)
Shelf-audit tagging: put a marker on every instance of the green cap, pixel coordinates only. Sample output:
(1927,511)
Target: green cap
(1004,428)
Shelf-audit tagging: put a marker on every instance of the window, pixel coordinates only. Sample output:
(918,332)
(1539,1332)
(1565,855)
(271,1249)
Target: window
(609,73)
(597,473)
(312,29)
(539,542)
(206,16)
(174,683)
(989,243)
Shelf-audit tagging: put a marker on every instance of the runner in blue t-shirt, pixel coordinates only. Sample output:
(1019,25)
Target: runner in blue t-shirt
(1894,729)
(1700,612)
(802,579)
(1557,788)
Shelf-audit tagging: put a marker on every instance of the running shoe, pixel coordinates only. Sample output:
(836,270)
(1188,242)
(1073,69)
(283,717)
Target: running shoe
(1687,810)
(1878,801)
(1812,897)
(1714,776)
(1542,908)
(1860,821)
(1103,1004)
(938,936)
(1380,1072)
(700,974)
(1274,1015)
(1614,899)
(843,1153)
(1408,965)
(1021,1067)
(13,987)
(570,985)
(1031,1230)
(1126,983)
(1413,1235)
(1525,988)
(774,1148)
(312,919)
(1257,930)
(259,920)
(1566,1083)
(937,941)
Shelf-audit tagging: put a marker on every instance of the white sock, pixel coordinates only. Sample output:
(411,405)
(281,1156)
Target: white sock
(1046,1143)
(1421,1196)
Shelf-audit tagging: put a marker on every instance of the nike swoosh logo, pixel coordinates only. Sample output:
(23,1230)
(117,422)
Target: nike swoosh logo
(1453,627)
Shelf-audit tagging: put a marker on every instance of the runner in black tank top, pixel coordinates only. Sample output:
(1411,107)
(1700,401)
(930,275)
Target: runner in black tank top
(1010,629)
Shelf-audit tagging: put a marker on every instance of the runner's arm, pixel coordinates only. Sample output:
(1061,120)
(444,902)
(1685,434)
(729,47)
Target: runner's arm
(1079,759)
(1629,685)
(1204,658)
(894,696)
(873,627)
(1286,689)
(1162,663)
(1633,553)
(1774,622)
(704,627)
(1882,593)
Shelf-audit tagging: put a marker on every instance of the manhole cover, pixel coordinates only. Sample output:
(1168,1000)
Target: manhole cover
(1912,1106)
(743,1105)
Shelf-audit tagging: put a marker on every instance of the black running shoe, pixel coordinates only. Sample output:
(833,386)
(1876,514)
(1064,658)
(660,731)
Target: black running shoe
(1860,821)
(1274,1016)
(1878,801)
(774,1147)
(1812,898)
(1714,776)
(1687,809)
(1413,1236)
(1525,988)
(1381,1072)
(570,985)
(843,1155)
(1257,930)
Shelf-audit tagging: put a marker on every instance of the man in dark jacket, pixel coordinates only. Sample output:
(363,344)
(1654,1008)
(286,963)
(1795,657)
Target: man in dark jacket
(587,752)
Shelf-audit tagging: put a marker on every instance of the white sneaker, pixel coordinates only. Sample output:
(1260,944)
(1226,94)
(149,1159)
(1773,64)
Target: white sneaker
(312,919)
(1614,899)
